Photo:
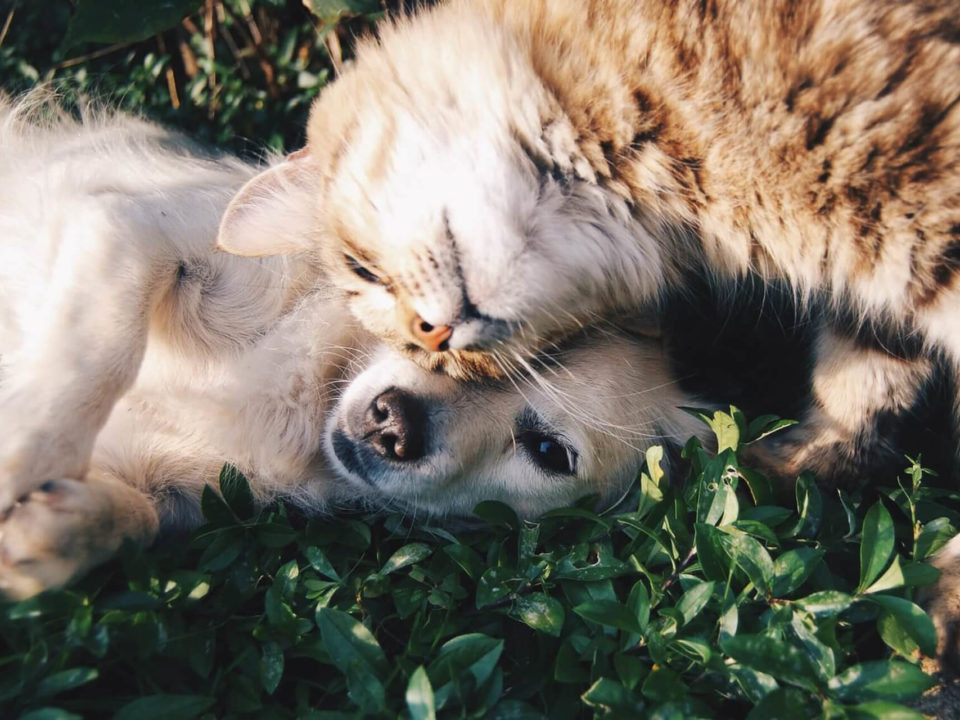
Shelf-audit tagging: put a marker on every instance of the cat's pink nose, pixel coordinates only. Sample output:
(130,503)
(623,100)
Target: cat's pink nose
(434,338)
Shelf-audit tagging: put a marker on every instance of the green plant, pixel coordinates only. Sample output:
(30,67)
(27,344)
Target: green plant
(237,73)
(695,597)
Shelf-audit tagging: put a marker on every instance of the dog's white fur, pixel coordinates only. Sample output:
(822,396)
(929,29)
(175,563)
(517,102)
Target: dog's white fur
(135,360)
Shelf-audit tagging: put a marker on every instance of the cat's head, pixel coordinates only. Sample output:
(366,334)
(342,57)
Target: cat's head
(449,199)
(421,441)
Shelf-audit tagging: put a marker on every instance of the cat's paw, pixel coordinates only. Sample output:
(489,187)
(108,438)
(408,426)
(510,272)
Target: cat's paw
(942,602)
(63,528)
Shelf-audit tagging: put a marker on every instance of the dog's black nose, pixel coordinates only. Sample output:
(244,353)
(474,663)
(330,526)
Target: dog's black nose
(393,426)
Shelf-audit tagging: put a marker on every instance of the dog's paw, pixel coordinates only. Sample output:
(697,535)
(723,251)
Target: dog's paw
(942,602)
(55,534)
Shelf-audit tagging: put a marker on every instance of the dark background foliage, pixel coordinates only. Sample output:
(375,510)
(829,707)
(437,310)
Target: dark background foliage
(238,73)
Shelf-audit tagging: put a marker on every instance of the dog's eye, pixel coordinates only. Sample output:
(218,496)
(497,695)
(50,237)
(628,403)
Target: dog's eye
(360,271)
(548,452)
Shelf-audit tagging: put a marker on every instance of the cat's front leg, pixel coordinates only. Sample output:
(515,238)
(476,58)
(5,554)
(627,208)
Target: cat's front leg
(83,339)
(64,527)
(942,602)
(856,390)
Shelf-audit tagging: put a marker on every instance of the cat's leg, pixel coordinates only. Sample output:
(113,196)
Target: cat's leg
(83,342)
(942,601)
(64,527)
(941,323)
(856,390)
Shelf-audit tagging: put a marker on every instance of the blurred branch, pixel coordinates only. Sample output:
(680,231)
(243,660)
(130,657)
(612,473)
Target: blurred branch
(6,25)
(255,40)
(168,73)
(211,51)
(232,45)
(187,56)
(80,59)
(332,41)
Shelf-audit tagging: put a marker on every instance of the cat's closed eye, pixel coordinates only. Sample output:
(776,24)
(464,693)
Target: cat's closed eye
(362,272)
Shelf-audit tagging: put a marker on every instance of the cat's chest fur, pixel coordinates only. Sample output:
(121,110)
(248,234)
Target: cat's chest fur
(814,140)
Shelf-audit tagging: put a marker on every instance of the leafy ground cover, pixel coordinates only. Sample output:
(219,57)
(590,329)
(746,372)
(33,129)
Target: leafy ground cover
(698,596)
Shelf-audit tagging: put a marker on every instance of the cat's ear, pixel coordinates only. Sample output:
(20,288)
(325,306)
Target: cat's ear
(273,213)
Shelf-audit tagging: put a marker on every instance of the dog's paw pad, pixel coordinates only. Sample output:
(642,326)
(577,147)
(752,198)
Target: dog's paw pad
(47,537)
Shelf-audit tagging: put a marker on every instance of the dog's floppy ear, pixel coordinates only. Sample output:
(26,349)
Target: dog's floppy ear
(273,213)
(644,323)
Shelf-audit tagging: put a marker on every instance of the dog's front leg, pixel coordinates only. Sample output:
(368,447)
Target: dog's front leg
(84,340)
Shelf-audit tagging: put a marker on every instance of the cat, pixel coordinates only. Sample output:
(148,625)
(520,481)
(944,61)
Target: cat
(490,176)
(135,360)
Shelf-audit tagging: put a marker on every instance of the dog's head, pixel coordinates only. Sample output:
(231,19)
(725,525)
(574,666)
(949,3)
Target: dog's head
(580,424)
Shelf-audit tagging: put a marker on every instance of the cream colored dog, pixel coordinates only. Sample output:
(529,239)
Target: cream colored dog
(136,360)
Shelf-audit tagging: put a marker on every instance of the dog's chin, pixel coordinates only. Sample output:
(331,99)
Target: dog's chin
(344,456)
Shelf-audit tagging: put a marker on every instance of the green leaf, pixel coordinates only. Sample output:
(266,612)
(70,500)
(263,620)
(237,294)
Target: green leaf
(493,587)
(271,666)
(333,11)
(751,557)
(225,548)
(897,575)
(694,599)
(236,492)
(473,654)
(764,426)
(773,657)
(467,558)
(783,704)
(711,552)
(630,669)
(723,424)
(880,710)
(825,603)
(609,613)
(275,535)
(653,458)
(934,535)
(605,566)
(346,638)
(821,657)
(903,618)
(568,668)
(319,562)
(540,611)
(163,707)
(809,508)
(792,568)
(419,696)
(612,697)
(215,508)
(876,544)
(639,603)
(66,680)
(50,713)
(664,685)
(497,514)
(355,651)
(880,680)
(119,21)
(407,555)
